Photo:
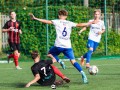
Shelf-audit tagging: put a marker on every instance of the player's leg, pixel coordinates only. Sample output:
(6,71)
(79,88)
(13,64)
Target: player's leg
(69,53)
(11,55)
(84,56)
(16,55)
(90,46)
(55,51)
(95,46)
(60,74)
(87,55)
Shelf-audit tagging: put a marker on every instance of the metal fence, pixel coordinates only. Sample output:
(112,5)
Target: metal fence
(110,14)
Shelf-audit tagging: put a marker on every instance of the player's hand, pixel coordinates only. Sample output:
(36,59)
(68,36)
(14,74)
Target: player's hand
(49,55)
(53,59)
(11,29)
(32,16)
(20,31)
(100,32)
(79,33)
(27,85)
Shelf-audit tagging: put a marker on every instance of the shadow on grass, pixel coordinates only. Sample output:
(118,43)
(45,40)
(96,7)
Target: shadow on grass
(22,85)
(12,85)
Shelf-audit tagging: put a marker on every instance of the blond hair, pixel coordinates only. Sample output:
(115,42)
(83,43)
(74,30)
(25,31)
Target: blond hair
(97,10)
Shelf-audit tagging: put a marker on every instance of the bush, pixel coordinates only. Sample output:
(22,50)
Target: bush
(34,35)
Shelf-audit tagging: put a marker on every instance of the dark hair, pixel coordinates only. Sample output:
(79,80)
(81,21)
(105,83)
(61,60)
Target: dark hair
(63,12)
(34,54)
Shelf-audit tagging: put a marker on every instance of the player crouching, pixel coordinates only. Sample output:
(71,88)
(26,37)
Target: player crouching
(44,72)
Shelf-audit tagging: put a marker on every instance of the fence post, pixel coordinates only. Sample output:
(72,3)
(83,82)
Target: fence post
(47,27)
(0,34)
(106,27)
(86,3)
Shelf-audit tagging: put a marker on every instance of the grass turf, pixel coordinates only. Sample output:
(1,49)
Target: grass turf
(108,77)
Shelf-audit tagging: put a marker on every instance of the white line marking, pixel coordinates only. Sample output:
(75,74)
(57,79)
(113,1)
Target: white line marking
(67,66)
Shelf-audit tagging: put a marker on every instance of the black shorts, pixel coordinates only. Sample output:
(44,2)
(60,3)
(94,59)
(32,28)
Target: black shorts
(14,46)
(47,82)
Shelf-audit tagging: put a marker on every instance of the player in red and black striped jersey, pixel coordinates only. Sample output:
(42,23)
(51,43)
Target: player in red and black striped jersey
(44,72)
(13,28)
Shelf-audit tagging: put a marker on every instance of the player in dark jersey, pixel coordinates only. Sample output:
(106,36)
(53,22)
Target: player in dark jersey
(13,28)
(44,72)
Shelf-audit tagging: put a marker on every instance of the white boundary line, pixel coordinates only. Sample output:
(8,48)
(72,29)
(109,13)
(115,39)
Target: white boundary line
(5,61)
(69,66)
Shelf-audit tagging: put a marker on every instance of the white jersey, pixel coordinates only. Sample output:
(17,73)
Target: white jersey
(94,29)
(63,31)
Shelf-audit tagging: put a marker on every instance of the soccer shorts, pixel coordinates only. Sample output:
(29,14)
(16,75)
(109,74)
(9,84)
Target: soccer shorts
(14,46)
(68,52)
(92,44)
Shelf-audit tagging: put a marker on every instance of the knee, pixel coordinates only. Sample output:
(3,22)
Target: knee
(16,53)
(72,61)
(91,49)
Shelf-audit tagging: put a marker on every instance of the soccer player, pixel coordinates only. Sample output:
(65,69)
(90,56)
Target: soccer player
(13,28)
(62,44)
(96,30)
(44,72)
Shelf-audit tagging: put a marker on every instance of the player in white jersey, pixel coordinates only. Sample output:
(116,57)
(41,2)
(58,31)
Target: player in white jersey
(96,30)
(62,44)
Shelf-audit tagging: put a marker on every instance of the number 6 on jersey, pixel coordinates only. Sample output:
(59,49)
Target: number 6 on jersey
(64,33)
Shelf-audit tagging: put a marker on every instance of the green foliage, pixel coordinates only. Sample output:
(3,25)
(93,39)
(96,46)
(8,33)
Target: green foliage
(34,32)
(113,43)
(34,35)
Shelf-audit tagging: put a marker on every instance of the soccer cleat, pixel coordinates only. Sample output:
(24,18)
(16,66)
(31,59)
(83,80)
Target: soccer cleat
(18,67)
(84,78)
(82,61)
(63,65)
(67,80)
(58,82)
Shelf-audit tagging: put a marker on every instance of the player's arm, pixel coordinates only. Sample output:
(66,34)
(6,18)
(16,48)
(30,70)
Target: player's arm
(51,56)
(7,30)
(19,28)
(41,20)
(83,29)
(101,32)
(36,78)
(20,31)
(85,24)
(103,29)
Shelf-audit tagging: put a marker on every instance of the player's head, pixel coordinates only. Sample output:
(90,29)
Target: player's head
(97,13)
(12,15)
(35,54)
(62,14)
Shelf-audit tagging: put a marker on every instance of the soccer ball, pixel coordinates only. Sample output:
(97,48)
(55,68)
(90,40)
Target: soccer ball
(53,86)
(93,70)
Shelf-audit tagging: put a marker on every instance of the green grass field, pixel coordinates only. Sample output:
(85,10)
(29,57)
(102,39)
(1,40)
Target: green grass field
(108,77)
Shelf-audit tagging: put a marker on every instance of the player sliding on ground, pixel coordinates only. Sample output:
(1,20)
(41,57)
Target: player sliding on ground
(44,72)
(62,44)
(96,30)
(13,28)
